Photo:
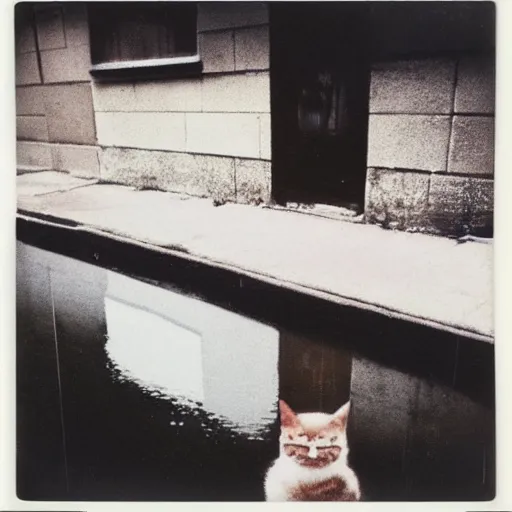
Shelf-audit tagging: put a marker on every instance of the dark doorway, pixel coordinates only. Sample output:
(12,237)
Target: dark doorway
(319,89)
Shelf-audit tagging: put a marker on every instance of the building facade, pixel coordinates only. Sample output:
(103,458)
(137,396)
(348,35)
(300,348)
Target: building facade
(385,109)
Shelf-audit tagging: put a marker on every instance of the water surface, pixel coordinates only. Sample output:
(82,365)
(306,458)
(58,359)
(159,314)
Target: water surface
(131,388)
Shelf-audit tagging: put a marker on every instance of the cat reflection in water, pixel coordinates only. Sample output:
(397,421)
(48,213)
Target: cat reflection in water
(312,463)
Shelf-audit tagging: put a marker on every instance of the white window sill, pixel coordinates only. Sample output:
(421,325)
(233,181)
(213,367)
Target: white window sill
(146,63)
(148,69)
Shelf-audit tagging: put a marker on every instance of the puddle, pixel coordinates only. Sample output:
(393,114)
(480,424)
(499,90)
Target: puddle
(131,389)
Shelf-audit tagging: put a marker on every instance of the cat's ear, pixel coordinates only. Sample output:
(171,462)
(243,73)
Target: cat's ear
(340,417)
(288,417)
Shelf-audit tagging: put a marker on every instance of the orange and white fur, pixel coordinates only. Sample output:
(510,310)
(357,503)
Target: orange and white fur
(312,463)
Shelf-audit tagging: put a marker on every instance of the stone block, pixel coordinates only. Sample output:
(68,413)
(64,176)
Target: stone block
(145,130)
(81,161)
(248,92)
(460,205)
(219,15)
(252,48)
(31,128)
(413,87)
(217,176)
(265,137)
(50,28)
(198,175)
(27,69)
(417,142)
(217,51)
(30,101)
(66,65)
(145,169)
(224,134)
(113,97)
(472,145)
(396,199)
(168,96)
(475,92)
(69,113)
(34,154)
(25,39)
(253,181)
(76,24)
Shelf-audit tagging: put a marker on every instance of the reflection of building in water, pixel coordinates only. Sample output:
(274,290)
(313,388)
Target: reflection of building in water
(139,341)
(413,437)
(188,349)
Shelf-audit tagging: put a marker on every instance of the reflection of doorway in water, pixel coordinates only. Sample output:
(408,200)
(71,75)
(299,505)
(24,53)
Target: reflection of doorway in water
(313,376)
(168,360)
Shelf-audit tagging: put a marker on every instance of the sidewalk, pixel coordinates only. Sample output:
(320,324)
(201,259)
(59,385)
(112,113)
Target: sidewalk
(426,279)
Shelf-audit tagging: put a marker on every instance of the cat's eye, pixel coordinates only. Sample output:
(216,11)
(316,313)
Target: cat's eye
(333,439)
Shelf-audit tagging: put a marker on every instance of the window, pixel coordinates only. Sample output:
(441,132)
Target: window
(133,35)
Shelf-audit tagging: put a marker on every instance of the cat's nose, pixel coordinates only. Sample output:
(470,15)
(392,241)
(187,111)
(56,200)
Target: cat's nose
(313,452)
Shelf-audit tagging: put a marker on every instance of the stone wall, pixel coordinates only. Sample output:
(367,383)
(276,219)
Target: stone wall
(54,113)
(431,145)
(206,136)
(431,123)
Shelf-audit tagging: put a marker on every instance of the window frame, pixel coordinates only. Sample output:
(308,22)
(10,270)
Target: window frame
(143,69)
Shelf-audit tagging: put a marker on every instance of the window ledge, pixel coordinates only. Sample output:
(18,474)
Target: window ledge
(148,69)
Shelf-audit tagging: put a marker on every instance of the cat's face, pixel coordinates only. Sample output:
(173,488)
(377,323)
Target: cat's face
(314,440)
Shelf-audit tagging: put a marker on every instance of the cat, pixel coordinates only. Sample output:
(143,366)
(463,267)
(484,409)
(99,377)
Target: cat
(312,463)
